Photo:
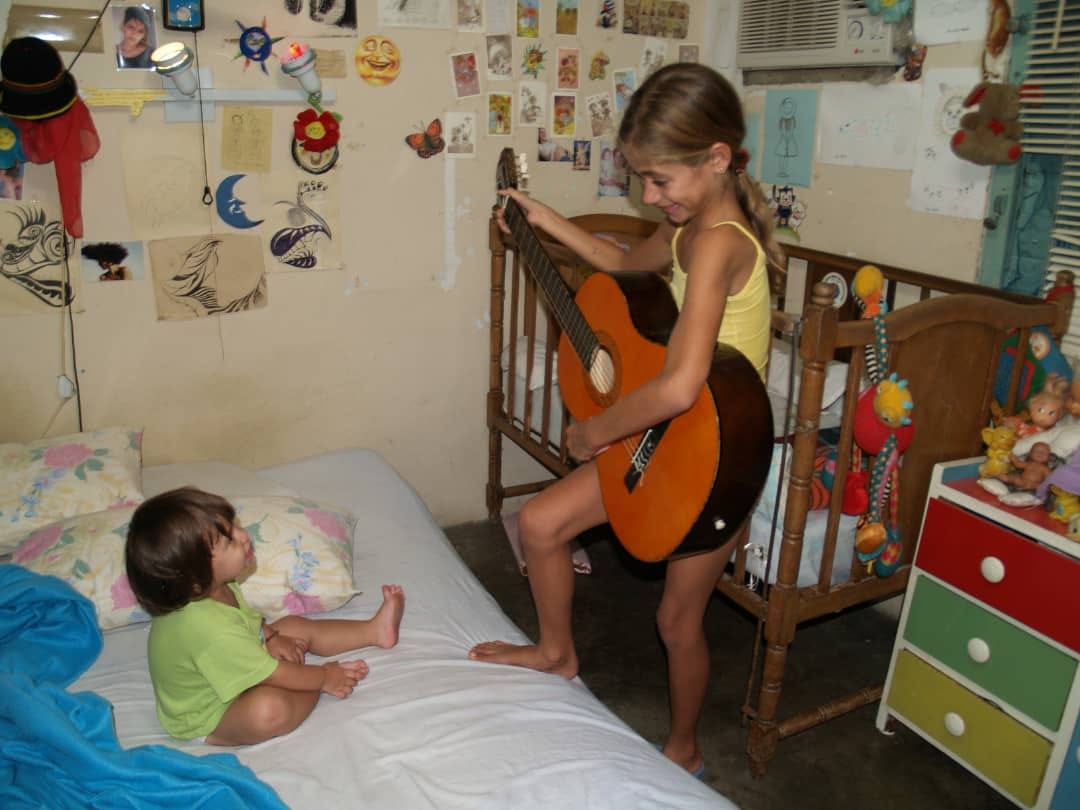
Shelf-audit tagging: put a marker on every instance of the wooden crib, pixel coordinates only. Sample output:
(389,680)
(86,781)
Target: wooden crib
(946,342)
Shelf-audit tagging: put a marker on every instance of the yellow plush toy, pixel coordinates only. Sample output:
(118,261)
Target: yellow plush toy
(999,443)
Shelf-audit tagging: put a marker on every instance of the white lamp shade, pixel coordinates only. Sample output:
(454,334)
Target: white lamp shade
(175,60)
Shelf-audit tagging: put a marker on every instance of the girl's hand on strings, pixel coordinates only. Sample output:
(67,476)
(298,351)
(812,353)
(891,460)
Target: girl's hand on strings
(535,212)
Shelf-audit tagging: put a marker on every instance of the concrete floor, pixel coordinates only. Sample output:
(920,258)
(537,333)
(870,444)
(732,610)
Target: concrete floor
(843,763)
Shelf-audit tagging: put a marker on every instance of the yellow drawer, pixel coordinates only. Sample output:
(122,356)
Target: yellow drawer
(1003,750)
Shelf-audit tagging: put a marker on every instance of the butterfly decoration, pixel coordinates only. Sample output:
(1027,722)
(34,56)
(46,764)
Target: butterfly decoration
(429,142)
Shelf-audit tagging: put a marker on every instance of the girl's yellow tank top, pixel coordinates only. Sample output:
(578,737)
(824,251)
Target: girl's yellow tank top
(745,325)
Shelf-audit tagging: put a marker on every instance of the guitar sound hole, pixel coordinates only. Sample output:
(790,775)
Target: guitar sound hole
(602,372)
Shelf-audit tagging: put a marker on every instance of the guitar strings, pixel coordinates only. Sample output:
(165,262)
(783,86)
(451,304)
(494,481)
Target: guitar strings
(578,331)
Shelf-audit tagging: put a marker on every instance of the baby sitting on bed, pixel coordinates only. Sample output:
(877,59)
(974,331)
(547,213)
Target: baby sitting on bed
(219,670)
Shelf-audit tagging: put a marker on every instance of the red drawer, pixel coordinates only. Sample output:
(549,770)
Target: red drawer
(1034,584)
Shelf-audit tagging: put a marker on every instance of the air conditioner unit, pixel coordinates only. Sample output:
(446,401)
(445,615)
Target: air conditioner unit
(781,34)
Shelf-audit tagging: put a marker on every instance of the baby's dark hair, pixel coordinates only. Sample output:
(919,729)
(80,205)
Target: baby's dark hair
(168,553)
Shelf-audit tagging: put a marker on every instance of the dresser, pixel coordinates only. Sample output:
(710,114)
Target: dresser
(986,664)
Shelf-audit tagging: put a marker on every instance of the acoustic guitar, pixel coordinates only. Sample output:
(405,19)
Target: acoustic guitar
(682,486)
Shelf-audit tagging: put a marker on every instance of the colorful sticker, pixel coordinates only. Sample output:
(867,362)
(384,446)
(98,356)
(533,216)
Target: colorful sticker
(569,68)
(532,61)
(378,60)
(500,110)
(256,45)
(465,73)
(429,141)
(598,66)
(528,18)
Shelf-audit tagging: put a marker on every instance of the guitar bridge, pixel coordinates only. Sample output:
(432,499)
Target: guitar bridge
(643,454)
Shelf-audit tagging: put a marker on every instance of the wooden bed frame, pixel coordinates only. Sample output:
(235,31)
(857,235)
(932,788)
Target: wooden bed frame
(946,344)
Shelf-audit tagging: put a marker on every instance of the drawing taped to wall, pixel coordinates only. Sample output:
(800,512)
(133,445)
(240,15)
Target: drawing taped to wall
(415,13)
(532,103)
(34,276)
(500,57)
(317,18)
(790,123)
(461,131)
(304,228)
(199,276)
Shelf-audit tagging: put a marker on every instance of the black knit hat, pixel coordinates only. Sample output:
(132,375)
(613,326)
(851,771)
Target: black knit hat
(35,83)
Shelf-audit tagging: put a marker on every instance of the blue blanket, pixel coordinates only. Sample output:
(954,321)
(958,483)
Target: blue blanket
(59,750)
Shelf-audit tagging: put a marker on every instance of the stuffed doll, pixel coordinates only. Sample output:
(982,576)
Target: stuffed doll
(990,134)
(1045,408)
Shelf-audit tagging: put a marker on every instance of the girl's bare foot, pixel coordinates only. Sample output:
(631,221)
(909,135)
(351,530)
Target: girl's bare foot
(524,655)
(388,618)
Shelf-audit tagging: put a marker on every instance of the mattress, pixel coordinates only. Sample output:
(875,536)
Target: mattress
(428,728)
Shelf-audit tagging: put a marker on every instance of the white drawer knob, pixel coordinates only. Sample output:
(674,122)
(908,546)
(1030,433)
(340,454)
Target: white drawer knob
(978,650)
(954,724)
(992,569)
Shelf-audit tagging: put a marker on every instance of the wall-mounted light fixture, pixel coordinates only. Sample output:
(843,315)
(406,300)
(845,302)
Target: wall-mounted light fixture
(299,63)
(175,60)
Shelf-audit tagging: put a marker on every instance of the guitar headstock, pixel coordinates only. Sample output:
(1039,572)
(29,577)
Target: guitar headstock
(512,172)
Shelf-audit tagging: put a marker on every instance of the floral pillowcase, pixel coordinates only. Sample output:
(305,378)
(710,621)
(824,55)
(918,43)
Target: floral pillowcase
(303,555)
(48,480)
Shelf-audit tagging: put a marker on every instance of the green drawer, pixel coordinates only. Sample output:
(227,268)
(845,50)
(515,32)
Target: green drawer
(1019,669)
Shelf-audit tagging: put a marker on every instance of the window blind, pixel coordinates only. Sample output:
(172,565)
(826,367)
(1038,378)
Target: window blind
(1050,112)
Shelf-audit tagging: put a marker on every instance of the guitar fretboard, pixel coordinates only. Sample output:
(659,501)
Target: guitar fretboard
(563,306)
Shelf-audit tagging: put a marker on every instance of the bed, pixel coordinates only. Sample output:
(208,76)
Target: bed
(945,338)
(428,728)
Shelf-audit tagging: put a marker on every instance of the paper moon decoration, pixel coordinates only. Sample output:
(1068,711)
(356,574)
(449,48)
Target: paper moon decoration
(378,60)
(229,208)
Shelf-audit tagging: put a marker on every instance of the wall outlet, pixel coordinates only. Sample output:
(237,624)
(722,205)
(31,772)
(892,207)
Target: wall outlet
(65,388)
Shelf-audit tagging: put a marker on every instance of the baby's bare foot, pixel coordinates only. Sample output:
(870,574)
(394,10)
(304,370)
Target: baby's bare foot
(388,618)
(527,655)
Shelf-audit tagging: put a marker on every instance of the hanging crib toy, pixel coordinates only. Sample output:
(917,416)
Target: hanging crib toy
(883,429)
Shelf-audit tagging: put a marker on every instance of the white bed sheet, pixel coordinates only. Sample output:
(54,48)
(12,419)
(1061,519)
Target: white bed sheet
(428,728)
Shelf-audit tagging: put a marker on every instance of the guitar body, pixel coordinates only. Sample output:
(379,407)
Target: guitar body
(700,482)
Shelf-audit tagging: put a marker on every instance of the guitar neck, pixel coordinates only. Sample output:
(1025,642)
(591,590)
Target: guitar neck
(555,291)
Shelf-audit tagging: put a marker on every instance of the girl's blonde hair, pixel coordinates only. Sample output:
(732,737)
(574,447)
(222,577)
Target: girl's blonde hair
(676,116)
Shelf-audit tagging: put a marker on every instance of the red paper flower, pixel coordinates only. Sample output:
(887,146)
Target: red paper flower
(316,132)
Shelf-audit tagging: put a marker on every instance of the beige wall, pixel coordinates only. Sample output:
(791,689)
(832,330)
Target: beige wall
(390,353)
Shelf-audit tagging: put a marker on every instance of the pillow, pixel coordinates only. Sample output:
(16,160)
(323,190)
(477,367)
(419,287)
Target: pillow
(87,552)
(48,480)
(779,369)
(521,358)
(302,550)
(303,553)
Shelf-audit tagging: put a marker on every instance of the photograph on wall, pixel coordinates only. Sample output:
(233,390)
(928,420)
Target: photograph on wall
(470,16)
(790,122)
(624,81)
(649,18)
(465,74)
(199,276)
(689,52)
(327,18)
(461,134)
(34,276)
(582,156)
(112,261)
(564,113)
(416,13)
(11,182)
(601,114)
(569,73)
(135,30)
(532,103)
(614,171)
(302,228)
(566,17)
(527,17)
(500,114)
(500,57)
(548,150)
